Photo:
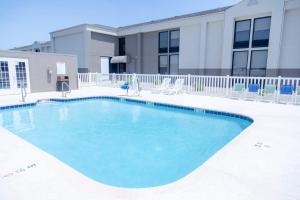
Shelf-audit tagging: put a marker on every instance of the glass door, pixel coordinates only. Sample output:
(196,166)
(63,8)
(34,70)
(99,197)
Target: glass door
(14,74)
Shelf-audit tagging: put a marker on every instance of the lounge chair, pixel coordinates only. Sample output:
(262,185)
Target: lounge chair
(286,94)
(253,91)
(238,90)
(269,93)
(165,85)
(297,95)
(178,87)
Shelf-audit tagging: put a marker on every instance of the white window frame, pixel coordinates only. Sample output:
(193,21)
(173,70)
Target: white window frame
(250,48)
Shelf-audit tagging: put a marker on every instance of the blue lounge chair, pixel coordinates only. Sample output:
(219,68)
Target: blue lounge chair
(253,91)
(286,93)
(125,86)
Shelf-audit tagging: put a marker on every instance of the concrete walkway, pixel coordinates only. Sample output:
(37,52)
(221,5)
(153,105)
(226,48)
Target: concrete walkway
(262,163)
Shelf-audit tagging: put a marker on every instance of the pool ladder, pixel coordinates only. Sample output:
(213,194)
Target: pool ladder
(23,92)
(63,92)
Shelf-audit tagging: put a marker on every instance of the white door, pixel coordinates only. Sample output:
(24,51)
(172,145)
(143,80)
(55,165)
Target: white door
(14,73)
(104,65)
(104,61)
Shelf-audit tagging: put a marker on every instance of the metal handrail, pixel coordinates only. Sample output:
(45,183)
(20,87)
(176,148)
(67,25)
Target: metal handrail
(23,92)
(64,93)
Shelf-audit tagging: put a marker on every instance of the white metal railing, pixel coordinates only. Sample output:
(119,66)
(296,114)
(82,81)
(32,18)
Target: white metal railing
(194,84)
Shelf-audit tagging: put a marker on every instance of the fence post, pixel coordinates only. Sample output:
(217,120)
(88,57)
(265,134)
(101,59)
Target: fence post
(90,79)
(78,81)
(227,85)
(189,83)
(278,87)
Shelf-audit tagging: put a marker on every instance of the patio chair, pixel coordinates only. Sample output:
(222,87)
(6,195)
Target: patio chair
(178,87)
(165,85)
(238,90)
(297,95)
(253,91)
(269,93)
(286,94)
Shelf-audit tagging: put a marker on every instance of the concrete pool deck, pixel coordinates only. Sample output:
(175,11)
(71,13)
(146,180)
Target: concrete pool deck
(261,163)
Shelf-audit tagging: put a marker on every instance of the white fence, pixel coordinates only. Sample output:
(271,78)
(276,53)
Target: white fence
(206,85)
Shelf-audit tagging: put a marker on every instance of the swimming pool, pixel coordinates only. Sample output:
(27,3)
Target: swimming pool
(124,143)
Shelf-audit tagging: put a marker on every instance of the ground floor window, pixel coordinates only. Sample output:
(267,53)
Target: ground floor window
(4,75)
(240,63)
(250,63)
(117,68)
(163,65)
(21,74)
(258,63)
(168,64)
(174,64)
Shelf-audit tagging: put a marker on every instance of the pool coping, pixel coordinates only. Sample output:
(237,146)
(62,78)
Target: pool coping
(222,176)
(190,108)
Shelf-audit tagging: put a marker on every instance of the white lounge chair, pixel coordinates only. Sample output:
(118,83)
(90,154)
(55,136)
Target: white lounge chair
(165,85)
(178,87)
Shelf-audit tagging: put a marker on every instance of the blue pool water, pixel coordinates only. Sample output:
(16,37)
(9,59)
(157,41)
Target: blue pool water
(124,144)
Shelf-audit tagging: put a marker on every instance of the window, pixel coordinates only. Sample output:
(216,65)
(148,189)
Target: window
(242,34)
(174,64)
(261,32)
(37,50)
(252,59)
(61,68)
(168,60)
(21,74)
(4,75)
(258,63)
(174,41)
(122,68)
(122,50)
(239,63)
(163,42)
(163,65)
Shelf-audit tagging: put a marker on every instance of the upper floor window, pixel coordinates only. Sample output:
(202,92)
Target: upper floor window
(163,42)
(174,41)
(242,34)
(122,50)
(261,32)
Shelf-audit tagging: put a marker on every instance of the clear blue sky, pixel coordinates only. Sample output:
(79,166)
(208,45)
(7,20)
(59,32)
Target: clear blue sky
(25,21)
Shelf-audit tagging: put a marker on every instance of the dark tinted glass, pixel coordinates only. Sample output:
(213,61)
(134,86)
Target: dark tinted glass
(258,63)
(122,51)
(163,65)
(174,41)
(261,32)
(239,63)
(163,42)
(242,34)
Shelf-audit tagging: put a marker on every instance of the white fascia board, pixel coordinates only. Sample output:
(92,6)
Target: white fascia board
(176,23)
(102,31)
(69,31)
